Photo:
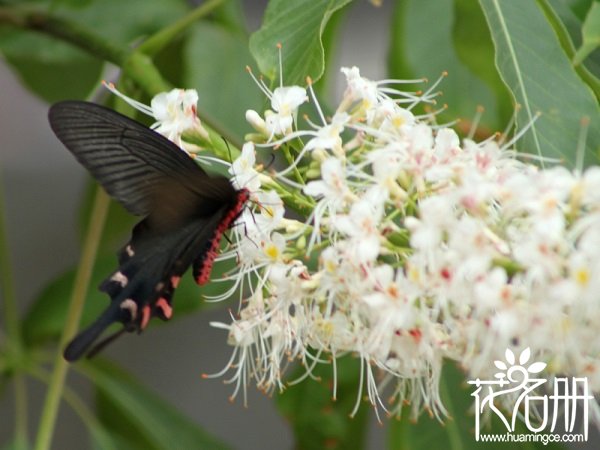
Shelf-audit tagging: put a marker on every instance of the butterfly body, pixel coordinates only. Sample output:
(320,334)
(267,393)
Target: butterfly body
(186,212)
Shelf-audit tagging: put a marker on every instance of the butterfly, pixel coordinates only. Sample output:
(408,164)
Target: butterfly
(185,213)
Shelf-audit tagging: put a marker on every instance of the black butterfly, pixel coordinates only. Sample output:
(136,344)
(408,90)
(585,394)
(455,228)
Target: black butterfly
(185,212)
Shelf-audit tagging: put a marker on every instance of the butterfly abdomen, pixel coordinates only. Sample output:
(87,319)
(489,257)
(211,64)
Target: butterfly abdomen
(204,263)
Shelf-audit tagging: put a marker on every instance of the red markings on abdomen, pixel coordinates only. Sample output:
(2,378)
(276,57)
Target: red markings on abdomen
(209,257)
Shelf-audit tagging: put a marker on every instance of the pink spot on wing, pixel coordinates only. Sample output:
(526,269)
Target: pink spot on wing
(145,317)
(175,281)
(165,307)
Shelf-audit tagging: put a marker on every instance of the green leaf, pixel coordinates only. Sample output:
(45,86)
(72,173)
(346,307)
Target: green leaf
(417,54)
(51,69)
(215,61)
(170,61)
(579,7)
(298,25)
(16,444)
(102,439)
(567,27)
(55,70)
(232,16)
(568,20)
(542,80)
(325,88)
(317,420)
(475,50)
(591,34)
(139,416)
(458,431)
(73,3)
(124,22)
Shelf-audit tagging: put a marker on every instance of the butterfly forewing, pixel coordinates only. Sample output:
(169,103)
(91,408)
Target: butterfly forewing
(128,159)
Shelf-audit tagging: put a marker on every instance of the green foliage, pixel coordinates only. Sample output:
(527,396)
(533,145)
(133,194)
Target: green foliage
(56,70)
(568,29)
(543,55)
(297,25)
(591,34)
(124,23)
(215,61)
(555,92)
(43,64)
(320,422)
(139,417)
(407,57)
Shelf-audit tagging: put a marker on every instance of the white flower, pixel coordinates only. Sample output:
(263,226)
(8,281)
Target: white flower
(362,226)
(271,211)
(437,215)
(174,112)
(243,171)
(328,136)
(285,102)
(359,88)
(332,186)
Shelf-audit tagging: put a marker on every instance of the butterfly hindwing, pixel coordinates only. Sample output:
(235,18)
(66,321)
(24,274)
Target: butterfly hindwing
(143,285)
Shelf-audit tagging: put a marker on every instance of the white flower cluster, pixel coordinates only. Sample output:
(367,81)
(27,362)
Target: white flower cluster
(419,248)
(416,248)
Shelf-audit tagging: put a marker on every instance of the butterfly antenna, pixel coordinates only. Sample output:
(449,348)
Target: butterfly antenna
(246,232)
(268,166)
(228,149)
(230,158)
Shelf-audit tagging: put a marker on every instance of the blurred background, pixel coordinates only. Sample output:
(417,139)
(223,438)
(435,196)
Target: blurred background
(43,189)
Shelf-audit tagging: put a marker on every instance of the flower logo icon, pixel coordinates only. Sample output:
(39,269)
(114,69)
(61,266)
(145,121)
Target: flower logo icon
(511,370)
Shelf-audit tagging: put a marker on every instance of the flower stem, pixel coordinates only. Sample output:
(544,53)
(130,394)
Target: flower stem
(55,389)
(290,160)
(12,324)
(159,40)
(7,287)
(80,408)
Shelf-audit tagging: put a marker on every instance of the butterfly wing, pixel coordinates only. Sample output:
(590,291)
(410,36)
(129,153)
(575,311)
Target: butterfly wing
(185,210)
(149,271)
(135,165)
